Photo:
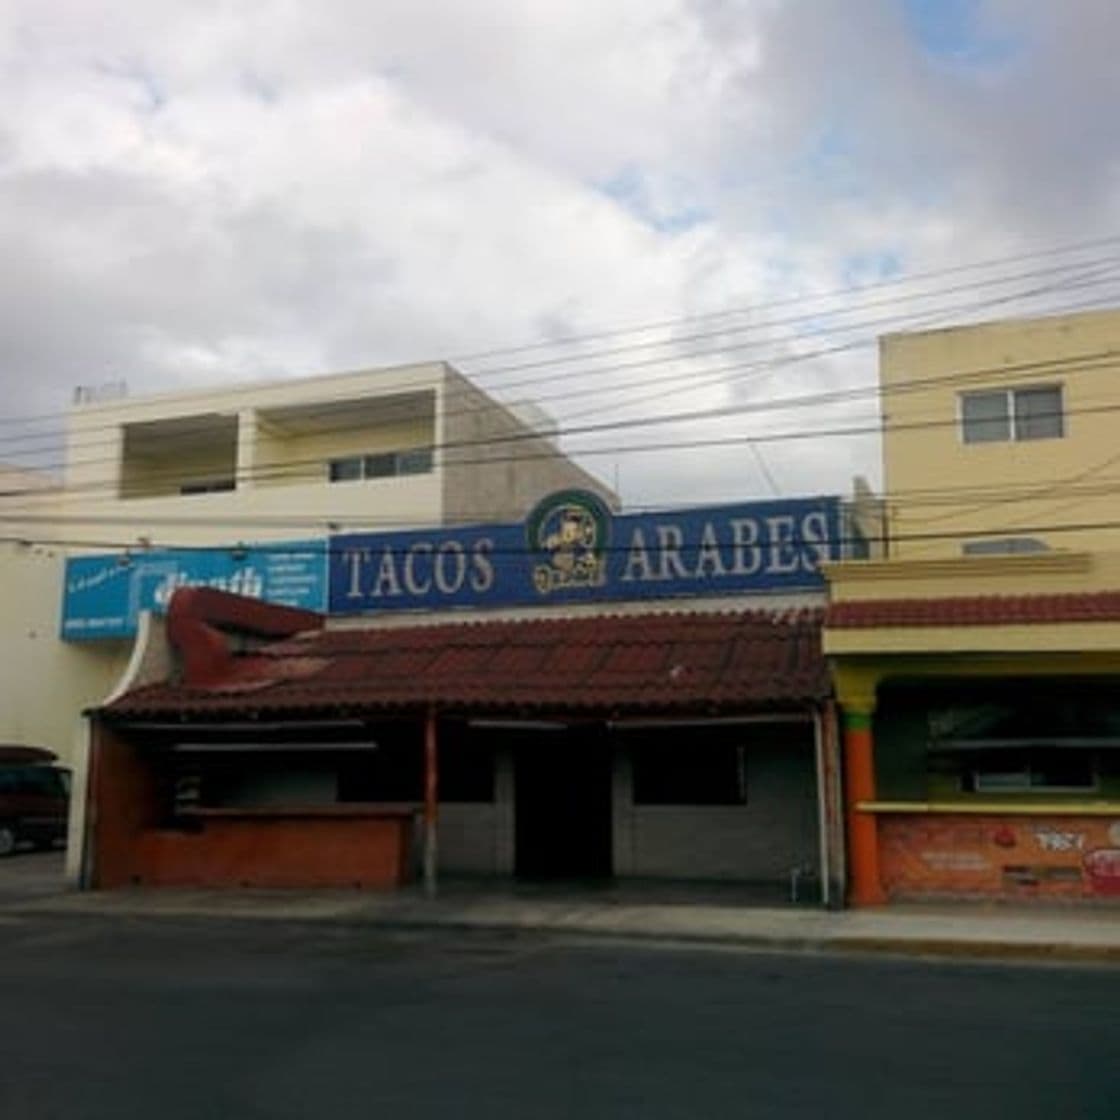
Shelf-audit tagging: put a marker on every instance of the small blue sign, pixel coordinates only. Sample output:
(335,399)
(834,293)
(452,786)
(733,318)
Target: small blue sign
(104,595)
(572,549)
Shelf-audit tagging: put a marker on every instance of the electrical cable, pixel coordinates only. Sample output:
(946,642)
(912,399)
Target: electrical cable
(254,388)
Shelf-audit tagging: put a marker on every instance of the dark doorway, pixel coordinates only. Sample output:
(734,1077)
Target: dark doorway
(563,805)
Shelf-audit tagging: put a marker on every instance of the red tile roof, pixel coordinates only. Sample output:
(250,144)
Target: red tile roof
(976,610)
(694,662)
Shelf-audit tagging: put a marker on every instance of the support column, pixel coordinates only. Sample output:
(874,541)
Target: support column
(830,804)
(865,886)
(247,461)
(431,802)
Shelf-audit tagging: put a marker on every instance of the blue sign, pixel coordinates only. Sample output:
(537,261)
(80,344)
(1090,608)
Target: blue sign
(104,595)
(572,549)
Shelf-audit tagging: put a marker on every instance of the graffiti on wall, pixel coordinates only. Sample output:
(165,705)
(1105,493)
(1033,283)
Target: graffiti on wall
(1059,856)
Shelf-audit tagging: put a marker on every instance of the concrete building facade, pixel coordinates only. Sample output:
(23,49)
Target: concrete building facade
(228,467)
(1000,437)
(977,665)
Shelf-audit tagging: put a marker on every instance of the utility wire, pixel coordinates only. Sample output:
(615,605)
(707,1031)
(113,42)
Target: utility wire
(255,387)
(758,368)
(294,520)
(332,548)
(835,293)
(1087,363)
(814,316)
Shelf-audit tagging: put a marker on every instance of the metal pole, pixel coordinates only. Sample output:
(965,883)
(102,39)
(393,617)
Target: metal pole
(823,814)
(431,802)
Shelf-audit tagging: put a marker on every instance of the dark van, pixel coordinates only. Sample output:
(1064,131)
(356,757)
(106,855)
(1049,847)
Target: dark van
(34,798)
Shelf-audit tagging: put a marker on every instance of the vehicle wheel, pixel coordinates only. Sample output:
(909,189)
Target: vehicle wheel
(7,839)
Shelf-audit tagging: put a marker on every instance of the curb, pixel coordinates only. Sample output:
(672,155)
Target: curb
(842,944)
(977,949)
(1057,951)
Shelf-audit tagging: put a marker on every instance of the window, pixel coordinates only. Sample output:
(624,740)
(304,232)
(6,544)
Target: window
(1034,771)
(417,461)
(208,486)
(346,470)
(466,772)
(379,466)
(393,772)
(1003,415)
(1003,546)
(38,781)
(689,774)
(385,464)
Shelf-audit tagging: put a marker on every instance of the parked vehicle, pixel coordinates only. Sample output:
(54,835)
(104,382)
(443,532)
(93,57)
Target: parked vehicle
(34,798)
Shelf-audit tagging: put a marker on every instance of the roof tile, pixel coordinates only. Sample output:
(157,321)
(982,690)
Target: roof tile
(605,663)
(976,610)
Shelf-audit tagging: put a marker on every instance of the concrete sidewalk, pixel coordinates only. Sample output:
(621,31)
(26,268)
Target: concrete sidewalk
(966,929)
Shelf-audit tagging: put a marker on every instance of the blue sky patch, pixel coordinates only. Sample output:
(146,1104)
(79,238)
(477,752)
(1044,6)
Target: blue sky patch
(954,32)
(859,269)
(629,188)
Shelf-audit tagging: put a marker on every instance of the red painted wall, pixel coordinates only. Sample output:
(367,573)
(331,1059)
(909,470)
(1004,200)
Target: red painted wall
(1019,857)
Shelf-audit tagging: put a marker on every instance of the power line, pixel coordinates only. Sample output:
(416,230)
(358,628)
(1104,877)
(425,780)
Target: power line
(255,388)
(279,469)
(723,333)
(924,319)
(757,368)
(317,520)
(1089,362)
(787,301)
(333,548)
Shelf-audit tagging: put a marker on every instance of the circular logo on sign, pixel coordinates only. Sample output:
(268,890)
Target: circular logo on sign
(569,533)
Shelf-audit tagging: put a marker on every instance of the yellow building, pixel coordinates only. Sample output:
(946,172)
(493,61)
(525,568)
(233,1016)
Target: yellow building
(1001,437)
(977,664)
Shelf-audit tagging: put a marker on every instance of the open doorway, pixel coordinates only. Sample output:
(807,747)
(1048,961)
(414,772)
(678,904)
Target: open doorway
(563,805)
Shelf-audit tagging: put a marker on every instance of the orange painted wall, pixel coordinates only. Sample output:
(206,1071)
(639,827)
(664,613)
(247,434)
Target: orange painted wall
(285,851)
(1018,857)
(332,846)
(123,797)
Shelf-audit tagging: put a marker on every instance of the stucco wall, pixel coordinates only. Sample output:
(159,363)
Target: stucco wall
(468,839)
(1029,484)
(45,683)
(492,477)
(306,458)
(94,457)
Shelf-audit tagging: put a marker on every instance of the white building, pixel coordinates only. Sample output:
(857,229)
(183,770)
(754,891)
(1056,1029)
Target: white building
(265,462)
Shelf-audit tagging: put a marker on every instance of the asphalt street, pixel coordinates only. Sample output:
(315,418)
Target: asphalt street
(178,1018)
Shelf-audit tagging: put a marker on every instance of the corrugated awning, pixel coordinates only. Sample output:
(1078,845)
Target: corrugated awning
(672,662)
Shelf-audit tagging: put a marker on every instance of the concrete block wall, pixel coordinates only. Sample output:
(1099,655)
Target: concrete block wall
(477,838)
(761,841)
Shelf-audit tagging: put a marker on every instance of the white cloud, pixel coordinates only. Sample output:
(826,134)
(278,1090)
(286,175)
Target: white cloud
(196,191)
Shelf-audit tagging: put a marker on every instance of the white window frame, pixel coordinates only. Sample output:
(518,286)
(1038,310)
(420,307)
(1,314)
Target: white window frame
(1009,393)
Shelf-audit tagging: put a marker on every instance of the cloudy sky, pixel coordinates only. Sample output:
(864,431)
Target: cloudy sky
(663,213)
